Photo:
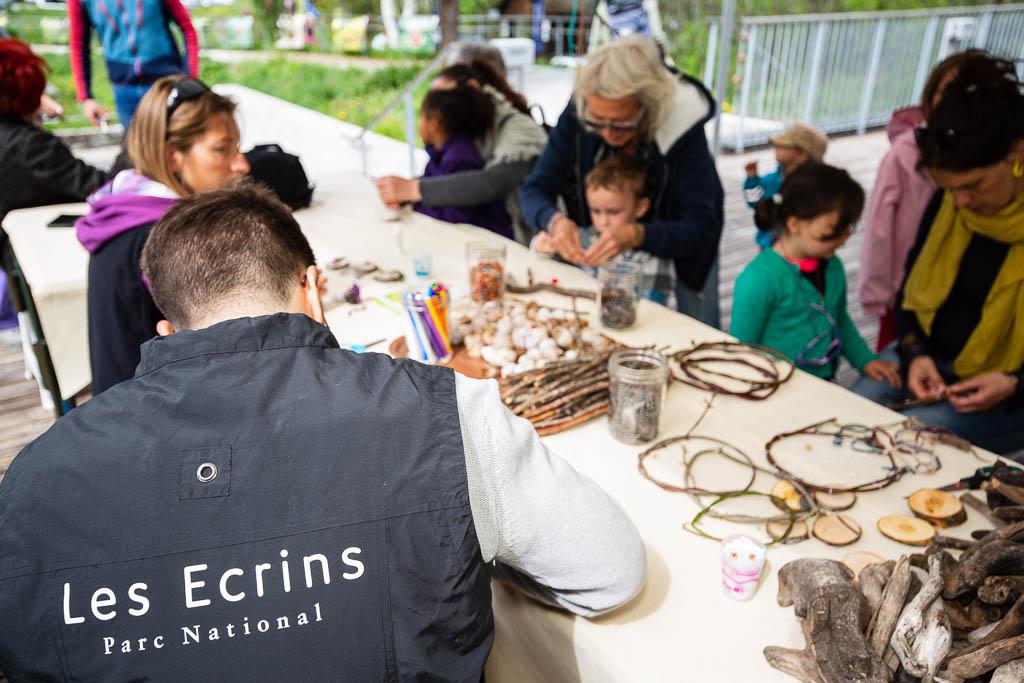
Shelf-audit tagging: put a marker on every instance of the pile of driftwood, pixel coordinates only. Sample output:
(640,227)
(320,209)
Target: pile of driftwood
(926,617)
(560,395)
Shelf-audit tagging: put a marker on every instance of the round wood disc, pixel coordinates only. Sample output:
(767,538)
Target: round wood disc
(835,530)
(907,530)
(785,495)
(859,559)
(940,508)
(777,530)
(835,502)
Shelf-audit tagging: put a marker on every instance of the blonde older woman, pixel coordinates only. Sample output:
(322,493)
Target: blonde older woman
(628,101)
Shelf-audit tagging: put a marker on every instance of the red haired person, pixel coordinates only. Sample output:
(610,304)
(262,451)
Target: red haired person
(36,167)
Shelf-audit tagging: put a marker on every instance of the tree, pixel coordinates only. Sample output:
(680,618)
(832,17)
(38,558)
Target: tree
(449,22)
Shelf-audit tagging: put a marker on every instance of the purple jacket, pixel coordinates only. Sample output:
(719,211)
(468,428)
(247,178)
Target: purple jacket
(898,200)
(455,155)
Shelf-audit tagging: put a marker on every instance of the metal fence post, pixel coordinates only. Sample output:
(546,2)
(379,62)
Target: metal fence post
(812,86)
(984,27)
(872,77)
(410,132)
(709,57)
(767,51)
(924,62)
(722,72)
(748,68)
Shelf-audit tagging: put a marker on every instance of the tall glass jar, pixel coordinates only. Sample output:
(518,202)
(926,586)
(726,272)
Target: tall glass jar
(637,380)
(620,293)
(486,262)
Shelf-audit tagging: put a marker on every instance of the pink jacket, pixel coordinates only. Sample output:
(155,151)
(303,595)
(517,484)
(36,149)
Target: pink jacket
(898,200)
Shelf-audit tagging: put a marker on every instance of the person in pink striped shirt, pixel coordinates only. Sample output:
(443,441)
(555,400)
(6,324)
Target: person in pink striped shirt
(138,48)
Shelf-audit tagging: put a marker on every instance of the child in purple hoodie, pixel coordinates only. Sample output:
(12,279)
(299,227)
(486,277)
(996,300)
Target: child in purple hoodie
(450,123)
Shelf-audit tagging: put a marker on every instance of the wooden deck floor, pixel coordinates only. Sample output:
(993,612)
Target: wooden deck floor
(22,419)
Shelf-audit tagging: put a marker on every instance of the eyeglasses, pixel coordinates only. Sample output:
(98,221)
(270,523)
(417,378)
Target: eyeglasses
(597,126)
(834,347)
(184,90)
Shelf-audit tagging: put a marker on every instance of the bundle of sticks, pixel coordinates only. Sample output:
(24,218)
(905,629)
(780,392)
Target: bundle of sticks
(952,614)
(559,395)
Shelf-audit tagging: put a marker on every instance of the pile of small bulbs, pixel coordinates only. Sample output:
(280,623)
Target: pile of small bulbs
(517,336)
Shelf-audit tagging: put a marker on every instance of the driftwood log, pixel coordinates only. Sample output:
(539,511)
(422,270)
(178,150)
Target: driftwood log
(1011,672)
(987,658)
(991,557)
(999,590)
(872,582)
(923,637)
(893,599)
(834,615)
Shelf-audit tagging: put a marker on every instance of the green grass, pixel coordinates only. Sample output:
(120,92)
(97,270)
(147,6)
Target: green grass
(350,94)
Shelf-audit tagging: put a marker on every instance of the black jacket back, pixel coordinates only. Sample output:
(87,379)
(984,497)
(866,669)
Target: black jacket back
(256,504)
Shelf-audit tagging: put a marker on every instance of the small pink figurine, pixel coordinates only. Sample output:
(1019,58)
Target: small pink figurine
(742,561)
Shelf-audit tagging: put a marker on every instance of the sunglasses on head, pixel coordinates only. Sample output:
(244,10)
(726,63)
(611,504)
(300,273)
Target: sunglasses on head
(184,90)
(597,126)
(834,347)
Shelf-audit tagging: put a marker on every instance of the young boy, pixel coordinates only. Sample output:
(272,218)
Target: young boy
(615,197)
(796,145)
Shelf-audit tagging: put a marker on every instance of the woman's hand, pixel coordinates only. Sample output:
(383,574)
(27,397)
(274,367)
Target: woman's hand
(612,242)
(884,371)
(982,393)
(395,191)
(566,237)
(923,378)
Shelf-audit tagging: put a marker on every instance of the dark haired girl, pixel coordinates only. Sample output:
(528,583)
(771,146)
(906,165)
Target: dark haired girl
(792,297)
(960,313)
(450,122)
(509,149)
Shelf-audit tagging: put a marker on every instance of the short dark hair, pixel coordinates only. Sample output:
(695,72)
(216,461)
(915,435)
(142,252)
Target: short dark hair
(463,111)
(978,121)
(210,247)
(811,190)
(950,64)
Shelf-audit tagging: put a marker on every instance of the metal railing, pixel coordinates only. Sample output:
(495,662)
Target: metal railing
(559,34)
(848,72)
(405,96)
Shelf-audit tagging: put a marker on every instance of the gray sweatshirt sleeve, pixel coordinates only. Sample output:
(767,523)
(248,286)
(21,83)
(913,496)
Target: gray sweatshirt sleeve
(551,531)
(471,188)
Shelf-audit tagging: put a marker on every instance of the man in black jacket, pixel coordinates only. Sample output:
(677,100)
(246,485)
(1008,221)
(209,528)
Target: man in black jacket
(258,504)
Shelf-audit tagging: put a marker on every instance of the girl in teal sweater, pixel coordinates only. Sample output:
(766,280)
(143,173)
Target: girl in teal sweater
(792,297)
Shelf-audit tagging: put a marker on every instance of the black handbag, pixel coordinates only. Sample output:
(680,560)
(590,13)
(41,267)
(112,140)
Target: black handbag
(281,172)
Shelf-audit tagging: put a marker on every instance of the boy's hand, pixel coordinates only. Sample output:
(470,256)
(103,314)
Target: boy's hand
(544,244)
(613,241)
(751,169)
(94,111)
(884,371)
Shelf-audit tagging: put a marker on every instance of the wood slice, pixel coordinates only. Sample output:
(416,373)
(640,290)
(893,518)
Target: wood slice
(837,530)
(939,508)
(907,530)
(859,559)
(835,502)
(785,495)
(777,529)
(460,362)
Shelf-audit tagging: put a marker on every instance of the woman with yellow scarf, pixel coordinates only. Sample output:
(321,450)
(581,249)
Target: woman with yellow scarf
(960,315)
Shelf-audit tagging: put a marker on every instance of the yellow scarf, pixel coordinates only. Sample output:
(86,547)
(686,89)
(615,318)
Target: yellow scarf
(997,343)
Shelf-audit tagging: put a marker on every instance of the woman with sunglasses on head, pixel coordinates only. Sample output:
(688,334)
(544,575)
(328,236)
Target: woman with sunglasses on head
(184,140)
(509,148)
(792,296)
(960,313)
(627,101)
